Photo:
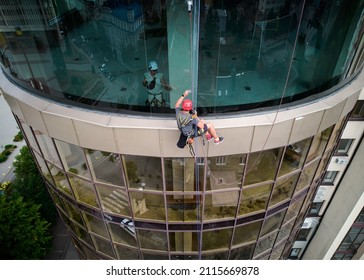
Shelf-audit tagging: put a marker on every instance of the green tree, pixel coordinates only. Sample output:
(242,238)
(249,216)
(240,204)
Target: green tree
(23,233)
(30,185)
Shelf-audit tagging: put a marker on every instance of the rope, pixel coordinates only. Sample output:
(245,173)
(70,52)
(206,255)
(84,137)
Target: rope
(275,117)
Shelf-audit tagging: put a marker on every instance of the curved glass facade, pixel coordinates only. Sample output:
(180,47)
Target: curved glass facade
(240,206)
(234,55)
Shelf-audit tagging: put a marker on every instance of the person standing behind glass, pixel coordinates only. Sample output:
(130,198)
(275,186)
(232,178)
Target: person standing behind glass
(155,82)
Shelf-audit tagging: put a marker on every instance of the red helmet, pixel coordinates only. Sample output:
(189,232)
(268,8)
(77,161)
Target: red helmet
(187,105)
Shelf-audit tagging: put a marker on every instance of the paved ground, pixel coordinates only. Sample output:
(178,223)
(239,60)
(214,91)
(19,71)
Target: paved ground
(62,247)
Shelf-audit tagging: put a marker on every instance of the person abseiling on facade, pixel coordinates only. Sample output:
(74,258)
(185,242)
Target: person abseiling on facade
(190,124)
(155,82)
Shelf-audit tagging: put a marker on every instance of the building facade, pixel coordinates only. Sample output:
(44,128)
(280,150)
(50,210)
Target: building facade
(278,79)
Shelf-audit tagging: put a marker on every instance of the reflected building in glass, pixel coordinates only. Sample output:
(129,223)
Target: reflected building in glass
(278,79)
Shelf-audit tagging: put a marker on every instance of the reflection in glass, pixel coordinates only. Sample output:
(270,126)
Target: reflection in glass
(265,243)
(293,210)
(318,144)
(184,241)
(254,198)
(103,246)
(225,172)
(220,204)
(29,135)
(143,172)
(307,175)
(266,161)
(105,166)
(272,223)
(95,225)
(47,147)
(294,157)
(60,179)
(153,256)
(283,189)
(84,190)
(125,253)
(147,206)
(216,239)
(180,174)
(114,200)
(119,235)
(72,212)
(242,253)
(182,207)
(285,231)
(73,158)
(155,240)
(246,233)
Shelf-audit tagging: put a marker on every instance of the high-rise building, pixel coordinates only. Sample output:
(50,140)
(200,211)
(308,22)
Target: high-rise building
(279,80)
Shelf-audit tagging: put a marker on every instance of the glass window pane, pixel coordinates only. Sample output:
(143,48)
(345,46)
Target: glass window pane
(319,143)
(242,253)
(119,235)
(272,223)
(61,180)
(125,253)
(84,191)
(29,135)
(95,225)
(182,207)
(143,172)
(283,189)
(220,205)
(267,161)
(73,158)
(307,176)
(114,200)
(72,211)
(294,156)
(247,233)
(184,241)
(225,172)
(155,240)
(216,239)
(265,243)
(105,167)
(103,246)
(180,174)
(254,198)
(48,149)
(148,206)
